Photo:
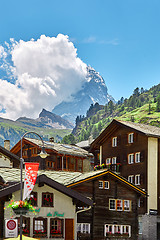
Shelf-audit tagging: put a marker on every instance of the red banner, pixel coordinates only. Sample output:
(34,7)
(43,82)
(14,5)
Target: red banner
(31,170)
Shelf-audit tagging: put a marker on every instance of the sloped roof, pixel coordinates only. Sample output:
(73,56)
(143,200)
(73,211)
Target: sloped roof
(148,130)
(67,178)
(143,128)
(61,148)
(50,182)
(9,154)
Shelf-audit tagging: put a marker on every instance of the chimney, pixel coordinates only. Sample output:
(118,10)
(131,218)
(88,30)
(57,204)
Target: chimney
(51,139)
(7,144)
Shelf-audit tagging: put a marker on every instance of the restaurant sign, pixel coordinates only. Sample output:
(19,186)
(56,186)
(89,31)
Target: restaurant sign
(55,214)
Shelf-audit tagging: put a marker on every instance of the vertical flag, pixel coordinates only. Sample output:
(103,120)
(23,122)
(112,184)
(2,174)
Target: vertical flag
(31,170)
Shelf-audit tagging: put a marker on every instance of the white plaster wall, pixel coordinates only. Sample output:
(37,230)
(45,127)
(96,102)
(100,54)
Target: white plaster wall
(152,171)
(4,161)
(62,204)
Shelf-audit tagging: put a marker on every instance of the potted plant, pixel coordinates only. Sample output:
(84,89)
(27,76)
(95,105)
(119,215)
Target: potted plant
(20,207)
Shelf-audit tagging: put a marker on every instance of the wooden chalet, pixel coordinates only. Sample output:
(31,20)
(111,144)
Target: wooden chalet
(63,157)
(55,207)
(133,150)
(114,214)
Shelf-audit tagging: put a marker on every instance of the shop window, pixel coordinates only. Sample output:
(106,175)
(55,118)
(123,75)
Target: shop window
(114,142)
(47,199)
(56,227)
(83,228)
(130,137)
(25,226)
(40,227)
(33,198)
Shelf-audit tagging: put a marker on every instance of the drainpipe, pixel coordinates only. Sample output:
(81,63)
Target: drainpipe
(100,156)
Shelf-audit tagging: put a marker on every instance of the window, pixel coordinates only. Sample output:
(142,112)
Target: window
(126,205)
(112,204)
(111,229)
(119,205)
(130,178)
(56,227)
(33,198)
(100,184)
(137,157)
(108,161)
(114,160)
(40,226)
(137,179)
(114,142)
(83,228)
(130,137)
(131,158)
(103,184)
(47,199)
(26,225)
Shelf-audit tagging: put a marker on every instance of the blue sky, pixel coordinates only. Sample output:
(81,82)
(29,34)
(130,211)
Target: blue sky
(119,38)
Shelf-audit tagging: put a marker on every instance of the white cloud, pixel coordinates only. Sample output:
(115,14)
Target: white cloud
(47,71)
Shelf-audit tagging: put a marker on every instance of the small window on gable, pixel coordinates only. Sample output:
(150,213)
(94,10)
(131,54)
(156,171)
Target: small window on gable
(103,184)
(47,199)
(100,184)
(114,142)
(130,137)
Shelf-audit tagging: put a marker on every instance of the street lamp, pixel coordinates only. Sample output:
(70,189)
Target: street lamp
(42,154)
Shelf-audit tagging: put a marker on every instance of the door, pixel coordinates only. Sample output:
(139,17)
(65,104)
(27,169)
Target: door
(69,229)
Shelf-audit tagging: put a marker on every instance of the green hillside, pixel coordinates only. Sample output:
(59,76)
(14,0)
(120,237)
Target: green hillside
(142,106)
(13,131)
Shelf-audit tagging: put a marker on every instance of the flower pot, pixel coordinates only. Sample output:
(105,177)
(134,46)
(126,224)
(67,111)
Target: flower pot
(20,210)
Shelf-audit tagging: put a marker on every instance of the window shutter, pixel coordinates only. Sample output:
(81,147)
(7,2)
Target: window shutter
(142,156)
(142,179)
(125,139)
(118,140)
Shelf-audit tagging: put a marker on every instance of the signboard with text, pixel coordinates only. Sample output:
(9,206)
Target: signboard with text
(11,228)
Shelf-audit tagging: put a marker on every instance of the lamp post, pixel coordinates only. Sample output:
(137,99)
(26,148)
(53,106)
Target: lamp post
(42,154)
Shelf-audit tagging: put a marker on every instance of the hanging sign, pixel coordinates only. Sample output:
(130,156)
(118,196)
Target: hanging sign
(11,228)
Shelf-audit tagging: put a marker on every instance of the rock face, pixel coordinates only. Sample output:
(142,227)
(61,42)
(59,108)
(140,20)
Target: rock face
(94,90)
(46,119)
(52,120)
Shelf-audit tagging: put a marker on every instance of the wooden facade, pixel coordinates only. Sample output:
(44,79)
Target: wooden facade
(56,159)
(103,221)
(131,152)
